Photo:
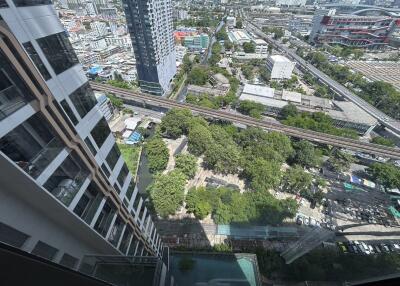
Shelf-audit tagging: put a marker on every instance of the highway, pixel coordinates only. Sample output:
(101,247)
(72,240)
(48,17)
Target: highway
(385,120)
(249,121)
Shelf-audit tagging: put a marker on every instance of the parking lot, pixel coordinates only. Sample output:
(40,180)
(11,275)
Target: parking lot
(367,247)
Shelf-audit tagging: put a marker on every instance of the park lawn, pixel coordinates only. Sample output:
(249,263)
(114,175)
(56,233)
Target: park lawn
(130,153)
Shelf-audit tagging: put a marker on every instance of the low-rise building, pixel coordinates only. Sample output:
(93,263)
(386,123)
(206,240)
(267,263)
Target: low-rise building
(345,114)
(261,46)
(239,37)
(197,42)
(280,67)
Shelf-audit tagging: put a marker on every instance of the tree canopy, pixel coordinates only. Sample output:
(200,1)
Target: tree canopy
(167,192)
(187,164)
(386,174)
(305,154)
(198,76)
(157,154)
(251,108)
(175,123)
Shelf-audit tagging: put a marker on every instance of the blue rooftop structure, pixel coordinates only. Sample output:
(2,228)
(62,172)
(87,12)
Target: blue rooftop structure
(95,70)
(134,138)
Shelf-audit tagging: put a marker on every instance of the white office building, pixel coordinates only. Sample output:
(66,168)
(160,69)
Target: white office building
(150,25)
(280,67)
(66,191)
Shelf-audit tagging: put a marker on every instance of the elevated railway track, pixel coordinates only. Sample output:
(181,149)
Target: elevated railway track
(314,136)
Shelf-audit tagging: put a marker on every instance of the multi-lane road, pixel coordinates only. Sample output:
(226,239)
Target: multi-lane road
(385,120)
(249,121)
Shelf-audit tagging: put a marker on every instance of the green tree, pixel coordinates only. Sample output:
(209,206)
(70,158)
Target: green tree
(297,181)
(198,202)
(187,164)
(386,174)
(251,108)
(222,159)
(249,47)
(199,139)
(157,154)
(239,24)
(198,76)
(289,110)
(167,192)
(175,123)
(340,161)
(383,141)
(305,154)
(115,101)
(262,174)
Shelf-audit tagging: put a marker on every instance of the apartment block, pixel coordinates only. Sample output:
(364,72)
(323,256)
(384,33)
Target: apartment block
(66,192)
(150,24)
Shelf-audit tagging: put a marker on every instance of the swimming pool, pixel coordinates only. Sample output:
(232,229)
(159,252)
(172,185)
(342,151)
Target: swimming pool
(213,268)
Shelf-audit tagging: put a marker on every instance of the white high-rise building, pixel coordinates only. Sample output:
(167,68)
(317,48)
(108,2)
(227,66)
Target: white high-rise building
(150,25)
(280,67)
(66,191)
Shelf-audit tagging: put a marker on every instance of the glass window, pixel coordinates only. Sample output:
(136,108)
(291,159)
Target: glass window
(100,132)
(12,236)
(104,220)
(58,51)
(116,231)
(44,250)
(130,190)
(113,156)
(3,3)
(69,111)
(24,3)
(133,246)
(89,203)
(105,170)
(90,146)
(122,175)
(14,93)
(123,247)
(32,145)
(83,99)
(36,60)
(117,188)
(66,181)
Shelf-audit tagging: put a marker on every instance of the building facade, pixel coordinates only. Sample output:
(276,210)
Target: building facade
(66,191)
(280,67)
(151,28)
(354,31)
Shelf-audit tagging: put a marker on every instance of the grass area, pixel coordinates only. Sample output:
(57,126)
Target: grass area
(131,156)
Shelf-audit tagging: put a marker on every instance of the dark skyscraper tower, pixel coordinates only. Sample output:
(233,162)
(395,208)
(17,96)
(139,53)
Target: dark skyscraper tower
(151,28)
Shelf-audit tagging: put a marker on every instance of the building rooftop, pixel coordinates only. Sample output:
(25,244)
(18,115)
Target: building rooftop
(259,42)
(291,96)
(258,90)
(280,58)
